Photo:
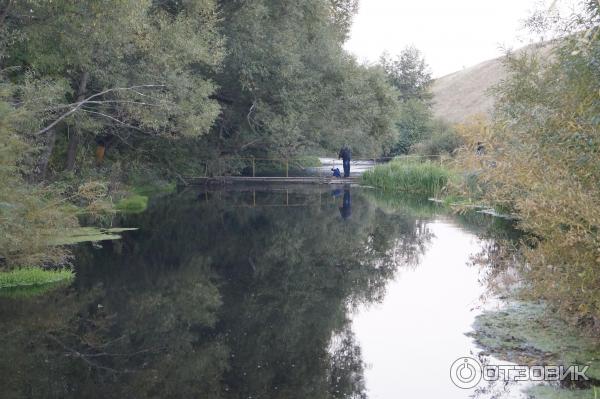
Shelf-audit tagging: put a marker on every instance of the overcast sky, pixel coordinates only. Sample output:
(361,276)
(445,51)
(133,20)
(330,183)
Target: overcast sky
(452,34)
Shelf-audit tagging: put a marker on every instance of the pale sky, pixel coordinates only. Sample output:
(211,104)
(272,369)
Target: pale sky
(451,34)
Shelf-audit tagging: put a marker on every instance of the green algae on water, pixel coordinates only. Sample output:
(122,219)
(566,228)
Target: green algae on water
(530,334)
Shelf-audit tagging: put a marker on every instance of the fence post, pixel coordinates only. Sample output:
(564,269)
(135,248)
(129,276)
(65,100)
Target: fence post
(253,167)
(287,168)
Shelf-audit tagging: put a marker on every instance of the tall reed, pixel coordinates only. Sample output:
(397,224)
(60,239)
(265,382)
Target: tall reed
(413,176)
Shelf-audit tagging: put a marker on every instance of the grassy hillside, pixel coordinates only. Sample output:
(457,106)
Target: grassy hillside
(462,94)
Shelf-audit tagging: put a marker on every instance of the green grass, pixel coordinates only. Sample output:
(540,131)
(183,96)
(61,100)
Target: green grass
(424,178)
(29,277)
(141,192)
(133,204)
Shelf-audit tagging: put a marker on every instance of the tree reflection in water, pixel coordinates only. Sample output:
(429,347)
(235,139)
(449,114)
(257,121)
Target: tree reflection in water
(218,295)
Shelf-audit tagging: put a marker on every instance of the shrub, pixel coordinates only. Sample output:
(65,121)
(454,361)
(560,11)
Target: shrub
(443,140)
(425,178)
(541,160)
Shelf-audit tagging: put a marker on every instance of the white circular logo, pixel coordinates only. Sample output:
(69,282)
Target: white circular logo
(465,372)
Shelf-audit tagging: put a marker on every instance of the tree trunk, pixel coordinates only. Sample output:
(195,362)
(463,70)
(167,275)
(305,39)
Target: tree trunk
(42,165)
(76,136)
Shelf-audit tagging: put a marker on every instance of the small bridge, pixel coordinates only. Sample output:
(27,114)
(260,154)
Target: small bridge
(283,171)
(279,171)
(253,179)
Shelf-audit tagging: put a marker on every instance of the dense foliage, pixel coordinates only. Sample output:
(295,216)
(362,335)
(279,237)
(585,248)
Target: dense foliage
(541,160)
(286,83)
(127,91)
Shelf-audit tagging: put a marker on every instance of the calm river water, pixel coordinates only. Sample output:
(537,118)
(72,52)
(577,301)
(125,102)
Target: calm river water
(298,292)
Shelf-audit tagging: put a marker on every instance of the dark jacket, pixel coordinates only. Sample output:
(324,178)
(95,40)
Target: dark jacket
(345,153)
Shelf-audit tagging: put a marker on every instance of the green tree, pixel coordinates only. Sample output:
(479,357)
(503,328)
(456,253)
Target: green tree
(72,72)
(133,66)
(287,84)
(415,124)
(410,75)
(159,86)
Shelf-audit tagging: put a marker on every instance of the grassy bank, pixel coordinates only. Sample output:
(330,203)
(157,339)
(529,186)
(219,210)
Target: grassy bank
(412,176)
(140,193)
(31,282)
(30,276)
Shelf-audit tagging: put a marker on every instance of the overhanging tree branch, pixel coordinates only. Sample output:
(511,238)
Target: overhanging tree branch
(79,104)
(113,119)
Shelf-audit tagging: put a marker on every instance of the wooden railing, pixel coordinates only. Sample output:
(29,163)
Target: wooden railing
(253,166)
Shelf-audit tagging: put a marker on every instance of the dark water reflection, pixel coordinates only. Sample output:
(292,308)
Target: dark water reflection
(245,294)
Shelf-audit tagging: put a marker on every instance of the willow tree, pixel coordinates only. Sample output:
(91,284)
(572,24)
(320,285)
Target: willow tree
(132,66)
(287,83)
(72,72)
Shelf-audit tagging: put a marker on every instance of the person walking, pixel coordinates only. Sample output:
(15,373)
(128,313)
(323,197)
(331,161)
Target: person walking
(346,155)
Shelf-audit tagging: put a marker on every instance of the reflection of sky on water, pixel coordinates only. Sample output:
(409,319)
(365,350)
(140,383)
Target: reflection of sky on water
(410,340)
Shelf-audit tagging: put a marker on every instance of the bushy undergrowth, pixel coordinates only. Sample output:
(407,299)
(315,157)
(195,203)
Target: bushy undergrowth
(541,161)
(412,176)
(33,215)
(442,139)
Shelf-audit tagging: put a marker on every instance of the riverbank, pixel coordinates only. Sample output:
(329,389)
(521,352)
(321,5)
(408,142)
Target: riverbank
(530,333)
(526,330)
(41,266)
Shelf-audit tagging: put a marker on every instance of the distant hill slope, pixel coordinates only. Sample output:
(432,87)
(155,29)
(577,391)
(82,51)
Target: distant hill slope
(464,93)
